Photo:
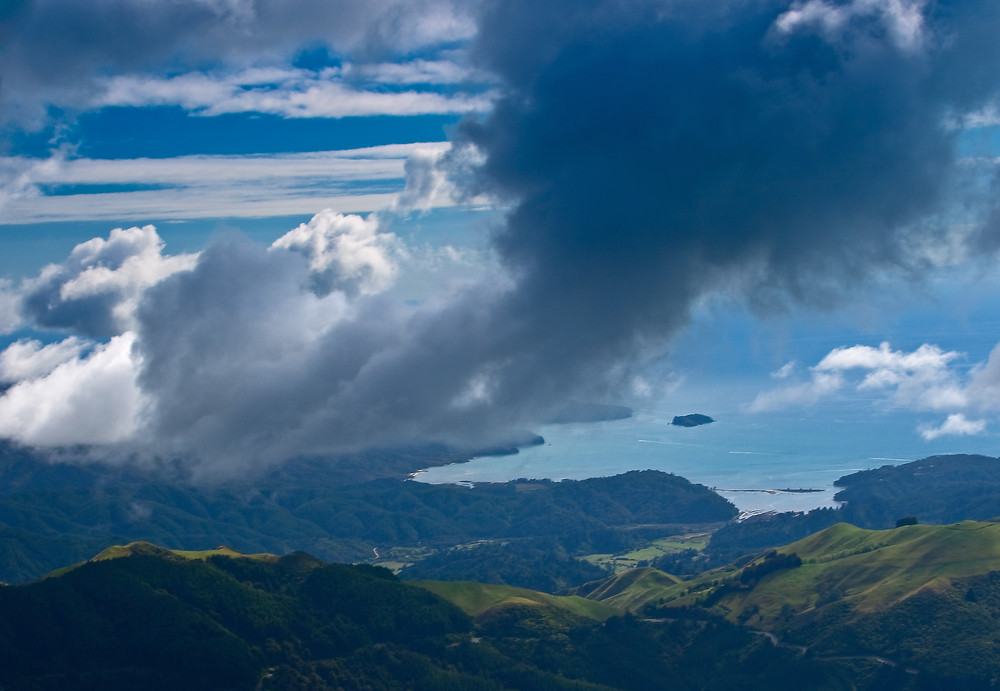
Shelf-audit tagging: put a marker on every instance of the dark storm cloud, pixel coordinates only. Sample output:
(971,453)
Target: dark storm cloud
(655,151)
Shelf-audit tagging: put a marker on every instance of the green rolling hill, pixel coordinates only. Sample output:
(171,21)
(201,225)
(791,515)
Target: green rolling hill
(149,549)
(133,548)
(632,589)
(868,570)
(481,600)
(921,603)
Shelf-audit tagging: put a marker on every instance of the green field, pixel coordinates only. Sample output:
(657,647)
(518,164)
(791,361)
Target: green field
(672,544)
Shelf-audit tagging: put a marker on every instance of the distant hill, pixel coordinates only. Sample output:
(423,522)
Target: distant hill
(142,548)
(539,563)
(939,490)
(51,514)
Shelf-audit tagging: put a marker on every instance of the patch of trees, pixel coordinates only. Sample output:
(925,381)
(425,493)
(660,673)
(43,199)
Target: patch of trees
(772,561)
(157,622)
(751,575)
(765,531)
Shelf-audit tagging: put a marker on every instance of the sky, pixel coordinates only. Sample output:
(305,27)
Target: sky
(234,232)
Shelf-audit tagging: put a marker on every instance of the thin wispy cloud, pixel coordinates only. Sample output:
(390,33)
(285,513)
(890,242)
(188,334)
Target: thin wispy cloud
(66,54)
(294,93)
(187,187)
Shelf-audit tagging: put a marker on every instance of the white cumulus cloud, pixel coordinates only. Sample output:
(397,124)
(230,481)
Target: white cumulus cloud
(95,291)
(30,359)
(956,424)
(922,379)
(345,252)
(89,400)
(926,379)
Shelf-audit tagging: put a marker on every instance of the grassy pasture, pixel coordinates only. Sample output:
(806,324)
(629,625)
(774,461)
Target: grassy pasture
(477,599)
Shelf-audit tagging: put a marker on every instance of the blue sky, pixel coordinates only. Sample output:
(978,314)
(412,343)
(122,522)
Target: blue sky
(235,232)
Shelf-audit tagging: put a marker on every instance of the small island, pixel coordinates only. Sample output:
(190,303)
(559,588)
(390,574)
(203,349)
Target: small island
(692,420)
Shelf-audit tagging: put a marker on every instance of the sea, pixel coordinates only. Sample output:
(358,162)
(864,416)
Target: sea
(760,462)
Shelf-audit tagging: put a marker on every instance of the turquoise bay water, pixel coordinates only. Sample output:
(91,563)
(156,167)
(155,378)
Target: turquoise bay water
(739,451)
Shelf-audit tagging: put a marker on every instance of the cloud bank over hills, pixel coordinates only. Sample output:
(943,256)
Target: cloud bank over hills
(647,155)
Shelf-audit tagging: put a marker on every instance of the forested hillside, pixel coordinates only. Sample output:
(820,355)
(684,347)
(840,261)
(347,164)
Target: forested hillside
(155,619)
(51,515)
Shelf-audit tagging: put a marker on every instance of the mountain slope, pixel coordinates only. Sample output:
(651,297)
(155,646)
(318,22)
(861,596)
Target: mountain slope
(867,569)
(151,618)
(921,601)
(159,620)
